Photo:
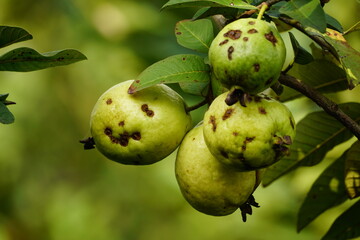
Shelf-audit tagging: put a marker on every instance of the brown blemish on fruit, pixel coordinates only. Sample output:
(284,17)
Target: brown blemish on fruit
(262,110)
(224,42)
(251,22)
(121,123)
(108,131)
(212,121)
(246,39)
(252,31)
(136,136)
(227,113)
(224,154)
(256,67)
(235,134)
(247,140)
(230,51)
(109,101)
(270,37)
(292,123)
(233,34)
(257,99)
(145,109)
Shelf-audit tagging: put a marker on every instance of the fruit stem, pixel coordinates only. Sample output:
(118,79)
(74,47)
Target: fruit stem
(264,6)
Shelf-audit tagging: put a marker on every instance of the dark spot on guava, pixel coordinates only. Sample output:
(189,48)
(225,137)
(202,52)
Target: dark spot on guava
(243,147)
(292,123)
(270,37)
(230,51)
(224,154)
(287,140)
(262,110)
(252,31)
(227,113)
(145,109)
(257,99)
(150,113)
(251,22)
(121,123)
(178,33)
(109,101)
(136,136)
(269,81)
(224,42)
(256,67)
(108,131)
(247,140)
(212,121)
(193,139)
(233,34)
(245,39)
(124,139)
(235,134)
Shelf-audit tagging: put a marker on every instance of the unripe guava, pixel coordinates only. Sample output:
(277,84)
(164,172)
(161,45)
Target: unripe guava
(141,128)
(208,185)
(251,137)
(248,53)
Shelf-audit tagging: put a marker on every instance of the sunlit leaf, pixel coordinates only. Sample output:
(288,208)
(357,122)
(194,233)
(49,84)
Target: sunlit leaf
(208,3)
(349,58)
(308,12)
(326,192)
(301,55)
(352,171)
(27,59)
(6,117)
(182,68)
(322,75)
(316,134)
(10,35)
(196,35)
(354,28)
(346,226)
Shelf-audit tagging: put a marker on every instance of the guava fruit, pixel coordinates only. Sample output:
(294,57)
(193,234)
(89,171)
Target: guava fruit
(251,137)
(248,53)
(208,185)
(141,128)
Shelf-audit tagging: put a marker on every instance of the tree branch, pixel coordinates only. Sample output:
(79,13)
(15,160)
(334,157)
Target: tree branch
(329,106)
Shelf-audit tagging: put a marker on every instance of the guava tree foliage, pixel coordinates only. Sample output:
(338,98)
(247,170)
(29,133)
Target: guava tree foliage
(331,66)
(24,59)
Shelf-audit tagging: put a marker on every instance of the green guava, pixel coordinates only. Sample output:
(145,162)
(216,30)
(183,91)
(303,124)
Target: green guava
(141,128)
(248,53)
(248,137)
(208,185)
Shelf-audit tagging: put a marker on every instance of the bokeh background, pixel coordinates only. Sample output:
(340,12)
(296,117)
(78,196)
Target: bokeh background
(51,189)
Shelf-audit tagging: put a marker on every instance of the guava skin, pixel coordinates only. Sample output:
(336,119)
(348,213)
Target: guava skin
(251,137)
(208,185)
(248,53)
(141,128)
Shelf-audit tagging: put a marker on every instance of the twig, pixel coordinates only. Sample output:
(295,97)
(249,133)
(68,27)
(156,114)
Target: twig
(329,106)
(269,3)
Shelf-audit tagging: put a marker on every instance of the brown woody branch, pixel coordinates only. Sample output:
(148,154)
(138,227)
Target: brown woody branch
(329,106)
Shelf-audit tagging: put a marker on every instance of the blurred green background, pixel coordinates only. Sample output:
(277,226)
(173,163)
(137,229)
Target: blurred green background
(50,188)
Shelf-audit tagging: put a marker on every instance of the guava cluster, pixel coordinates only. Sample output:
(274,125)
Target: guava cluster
(220,161)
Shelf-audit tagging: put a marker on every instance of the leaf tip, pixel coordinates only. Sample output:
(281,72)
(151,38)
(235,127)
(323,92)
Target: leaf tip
(132,89)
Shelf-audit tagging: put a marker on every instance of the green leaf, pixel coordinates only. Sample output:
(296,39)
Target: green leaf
(6,117)
(211,11)
(27,59)
(323,75)
(308,12)
(301,55)
(346,226)
(316,134)
(10,35)
(196,35)
(326,192)
(352,171)
(333,23)
(208,3)
(354,28)
(349,59)
(182,68)
(3,97)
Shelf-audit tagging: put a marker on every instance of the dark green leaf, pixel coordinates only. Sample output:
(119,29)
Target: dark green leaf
(349,59)
(274,10)
(326,192)
(183,68)
(308,12)
(354,28)
(346,226)
(6,117)
(352,171)
(323,75)
(10,35)
(27,59)
(316,134)
(211,11)
(207,3)
(333,23)
(3,97)
(301,55)
(196,35)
